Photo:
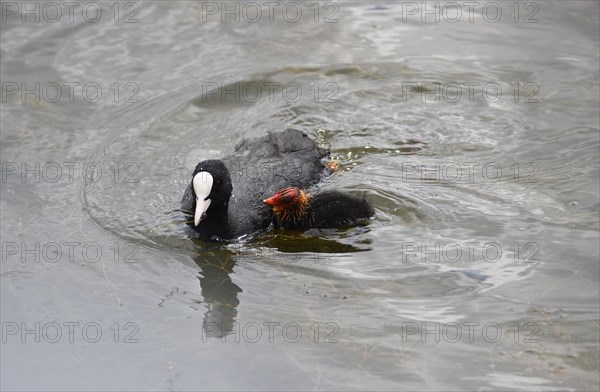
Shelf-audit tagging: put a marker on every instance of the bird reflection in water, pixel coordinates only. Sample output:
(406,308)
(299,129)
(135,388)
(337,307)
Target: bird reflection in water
(216,263)
(218,290)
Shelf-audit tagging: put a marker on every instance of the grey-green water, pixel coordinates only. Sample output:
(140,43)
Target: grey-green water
(476,140)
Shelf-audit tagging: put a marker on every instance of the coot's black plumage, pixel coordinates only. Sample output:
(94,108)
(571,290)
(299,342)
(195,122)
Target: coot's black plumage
(296,209)
(226,195)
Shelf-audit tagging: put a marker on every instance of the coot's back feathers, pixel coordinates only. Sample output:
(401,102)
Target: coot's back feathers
(278,144)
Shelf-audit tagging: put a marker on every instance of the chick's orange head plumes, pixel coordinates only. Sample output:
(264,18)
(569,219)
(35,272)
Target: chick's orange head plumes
(288,202)
(284,197)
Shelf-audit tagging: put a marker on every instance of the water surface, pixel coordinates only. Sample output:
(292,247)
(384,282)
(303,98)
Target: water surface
(477,143)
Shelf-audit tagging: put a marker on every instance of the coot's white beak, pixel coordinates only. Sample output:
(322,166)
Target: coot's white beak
(202,183)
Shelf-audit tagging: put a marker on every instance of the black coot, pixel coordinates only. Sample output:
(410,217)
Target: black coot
(225,196)
(296,209)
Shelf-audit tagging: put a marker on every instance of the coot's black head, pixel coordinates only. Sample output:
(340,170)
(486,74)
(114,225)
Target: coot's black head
(211,189)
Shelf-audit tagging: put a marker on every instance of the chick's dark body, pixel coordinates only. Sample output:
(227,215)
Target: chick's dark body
(329,209)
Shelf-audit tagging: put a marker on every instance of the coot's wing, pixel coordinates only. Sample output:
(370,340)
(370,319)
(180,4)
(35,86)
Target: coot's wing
(263,166)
